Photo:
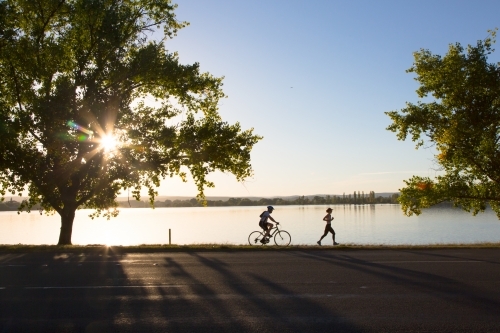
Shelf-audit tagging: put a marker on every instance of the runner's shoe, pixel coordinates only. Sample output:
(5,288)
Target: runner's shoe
(319,243)
(335,243)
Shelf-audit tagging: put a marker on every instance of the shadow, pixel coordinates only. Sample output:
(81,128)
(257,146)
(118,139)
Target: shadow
(202,292)
(60,292)
(440,255)
(94,292)
(279,308)
(450,290)
(198,311)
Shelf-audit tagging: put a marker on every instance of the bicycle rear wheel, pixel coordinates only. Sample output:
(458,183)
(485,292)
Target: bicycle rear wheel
(282,238)
(255,238)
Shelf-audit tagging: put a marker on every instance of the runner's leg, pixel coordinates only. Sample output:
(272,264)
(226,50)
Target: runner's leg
(333,234)
(324,235)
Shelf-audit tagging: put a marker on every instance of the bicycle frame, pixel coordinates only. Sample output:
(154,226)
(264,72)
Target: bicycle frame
(273,230)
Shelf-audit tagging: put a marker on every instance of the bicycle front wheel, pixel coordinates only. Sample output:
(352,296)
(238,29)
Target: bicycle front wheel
(255,238)
(282,238)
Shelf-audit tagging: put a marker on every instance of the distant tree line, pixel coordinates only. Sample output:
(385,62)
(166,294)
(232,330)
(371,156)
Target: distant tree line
(14,205)
(357,198)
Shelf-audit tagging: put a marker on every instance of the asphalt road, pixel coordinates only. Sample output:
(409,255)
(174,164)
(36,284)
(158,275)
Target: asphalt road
(284,291)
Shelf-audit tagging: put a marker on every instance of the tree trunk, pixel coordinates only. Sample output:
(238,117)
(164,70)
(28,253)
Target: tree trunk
(67,218)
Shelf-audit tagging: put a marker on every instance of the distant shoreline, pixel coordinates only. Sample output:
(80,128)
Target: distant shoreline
(361,199)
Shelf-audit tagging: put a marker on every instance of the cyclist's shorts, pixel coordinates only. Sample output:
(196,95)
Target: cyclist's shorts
(262,224)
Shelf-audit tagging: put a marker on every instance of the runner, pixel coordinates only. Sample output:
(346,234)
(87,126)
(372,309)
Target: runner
(328,228)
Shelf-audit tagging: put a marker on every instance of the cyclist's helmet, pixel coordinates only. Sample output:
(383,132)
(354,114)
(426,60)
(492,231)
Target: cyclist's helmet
(270,208)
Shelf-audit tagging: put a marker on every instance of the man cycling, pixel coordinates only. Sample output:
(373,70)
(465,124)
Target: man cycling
(267,226)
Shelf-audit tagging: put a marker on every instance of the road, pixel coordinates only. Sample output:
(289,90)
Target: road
(454,290)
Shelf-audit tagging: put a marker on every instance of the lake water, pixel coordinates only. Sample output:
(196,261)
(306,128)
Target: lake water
(368,224)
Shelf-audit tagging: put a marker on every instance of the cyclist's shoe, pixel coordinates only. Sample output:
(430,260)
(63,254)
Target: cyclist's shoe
(263,241)
(319,243)
(335,243)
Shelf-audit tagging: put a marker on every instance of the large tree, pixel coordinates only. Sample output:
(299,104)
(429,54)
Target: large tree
(92,103)
(461,121)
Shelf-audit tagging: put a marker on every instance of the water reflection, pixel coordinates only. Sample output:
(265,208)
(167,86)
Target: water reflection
(353,224)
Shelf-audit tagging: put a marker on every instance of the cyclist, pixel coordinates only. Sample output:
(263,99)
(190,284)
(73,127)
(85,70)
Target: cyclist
(267,226)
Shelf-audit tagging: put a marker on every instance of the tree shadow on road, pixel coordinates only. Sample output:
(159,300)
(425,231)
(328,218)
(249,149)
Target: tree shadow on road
(70,292)
(448,289)
(258,303)
(449,256)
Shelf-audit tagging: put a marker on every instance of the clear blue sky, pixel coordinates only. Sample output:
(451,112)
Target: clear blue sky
(346,62)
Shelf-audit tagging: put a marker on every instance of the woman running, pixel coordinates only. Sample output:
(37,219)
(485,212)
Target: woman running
(328,228)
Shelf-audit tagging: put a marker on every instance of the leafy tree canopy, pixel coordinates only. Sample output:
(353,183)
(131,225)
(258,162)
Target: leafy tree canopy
(463,123)
(91,104)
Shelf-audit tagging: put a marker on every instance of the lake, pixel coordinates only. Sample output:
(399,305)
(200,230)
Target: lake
(366,224)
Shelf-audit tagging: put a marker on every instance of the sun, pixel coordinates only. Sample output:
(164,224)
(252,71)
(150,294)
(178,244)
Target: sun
(108,142)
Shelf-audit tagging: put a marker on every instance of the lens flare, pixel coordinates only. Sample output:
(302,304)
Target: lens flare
(108,142)
(80,128)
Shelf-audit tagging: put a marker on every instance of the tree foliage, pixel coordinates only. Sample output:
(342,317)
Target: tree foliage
(75,74)
(462,122)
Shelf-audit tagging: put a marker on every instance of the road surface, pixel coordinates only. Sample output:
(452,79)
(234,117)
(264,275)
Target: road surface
(454,290)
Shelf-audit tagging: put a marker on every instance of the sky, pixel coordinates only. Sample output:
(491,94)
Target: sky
(314,79)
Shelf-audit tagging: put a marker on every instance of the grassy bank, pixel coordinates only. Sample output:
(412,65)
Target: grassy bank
(227,247)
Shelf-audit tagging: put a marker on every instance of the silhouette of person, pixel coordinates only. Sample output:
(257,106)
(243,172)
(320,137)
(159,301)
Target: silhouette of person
(328,228)
(267,226)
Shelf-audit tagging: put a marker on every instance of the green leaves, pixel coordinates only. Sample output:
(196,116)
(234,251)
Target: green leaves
(463,122)
(90,63)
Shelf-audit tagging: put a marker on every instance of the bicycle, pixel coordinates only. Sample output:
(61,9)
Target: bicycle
(281,237)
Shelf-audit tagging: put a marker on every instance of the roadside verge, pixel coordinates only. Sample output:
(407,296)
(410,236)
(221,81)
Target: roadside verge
(152,248)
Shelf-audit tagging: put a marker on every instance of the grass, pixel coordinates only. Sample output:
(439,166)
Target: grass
(158,248)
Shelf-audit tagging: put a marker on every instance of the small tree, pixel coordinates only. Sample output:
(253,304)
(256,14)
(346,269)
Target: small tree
(372,197)
(75,124)
(462,122)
